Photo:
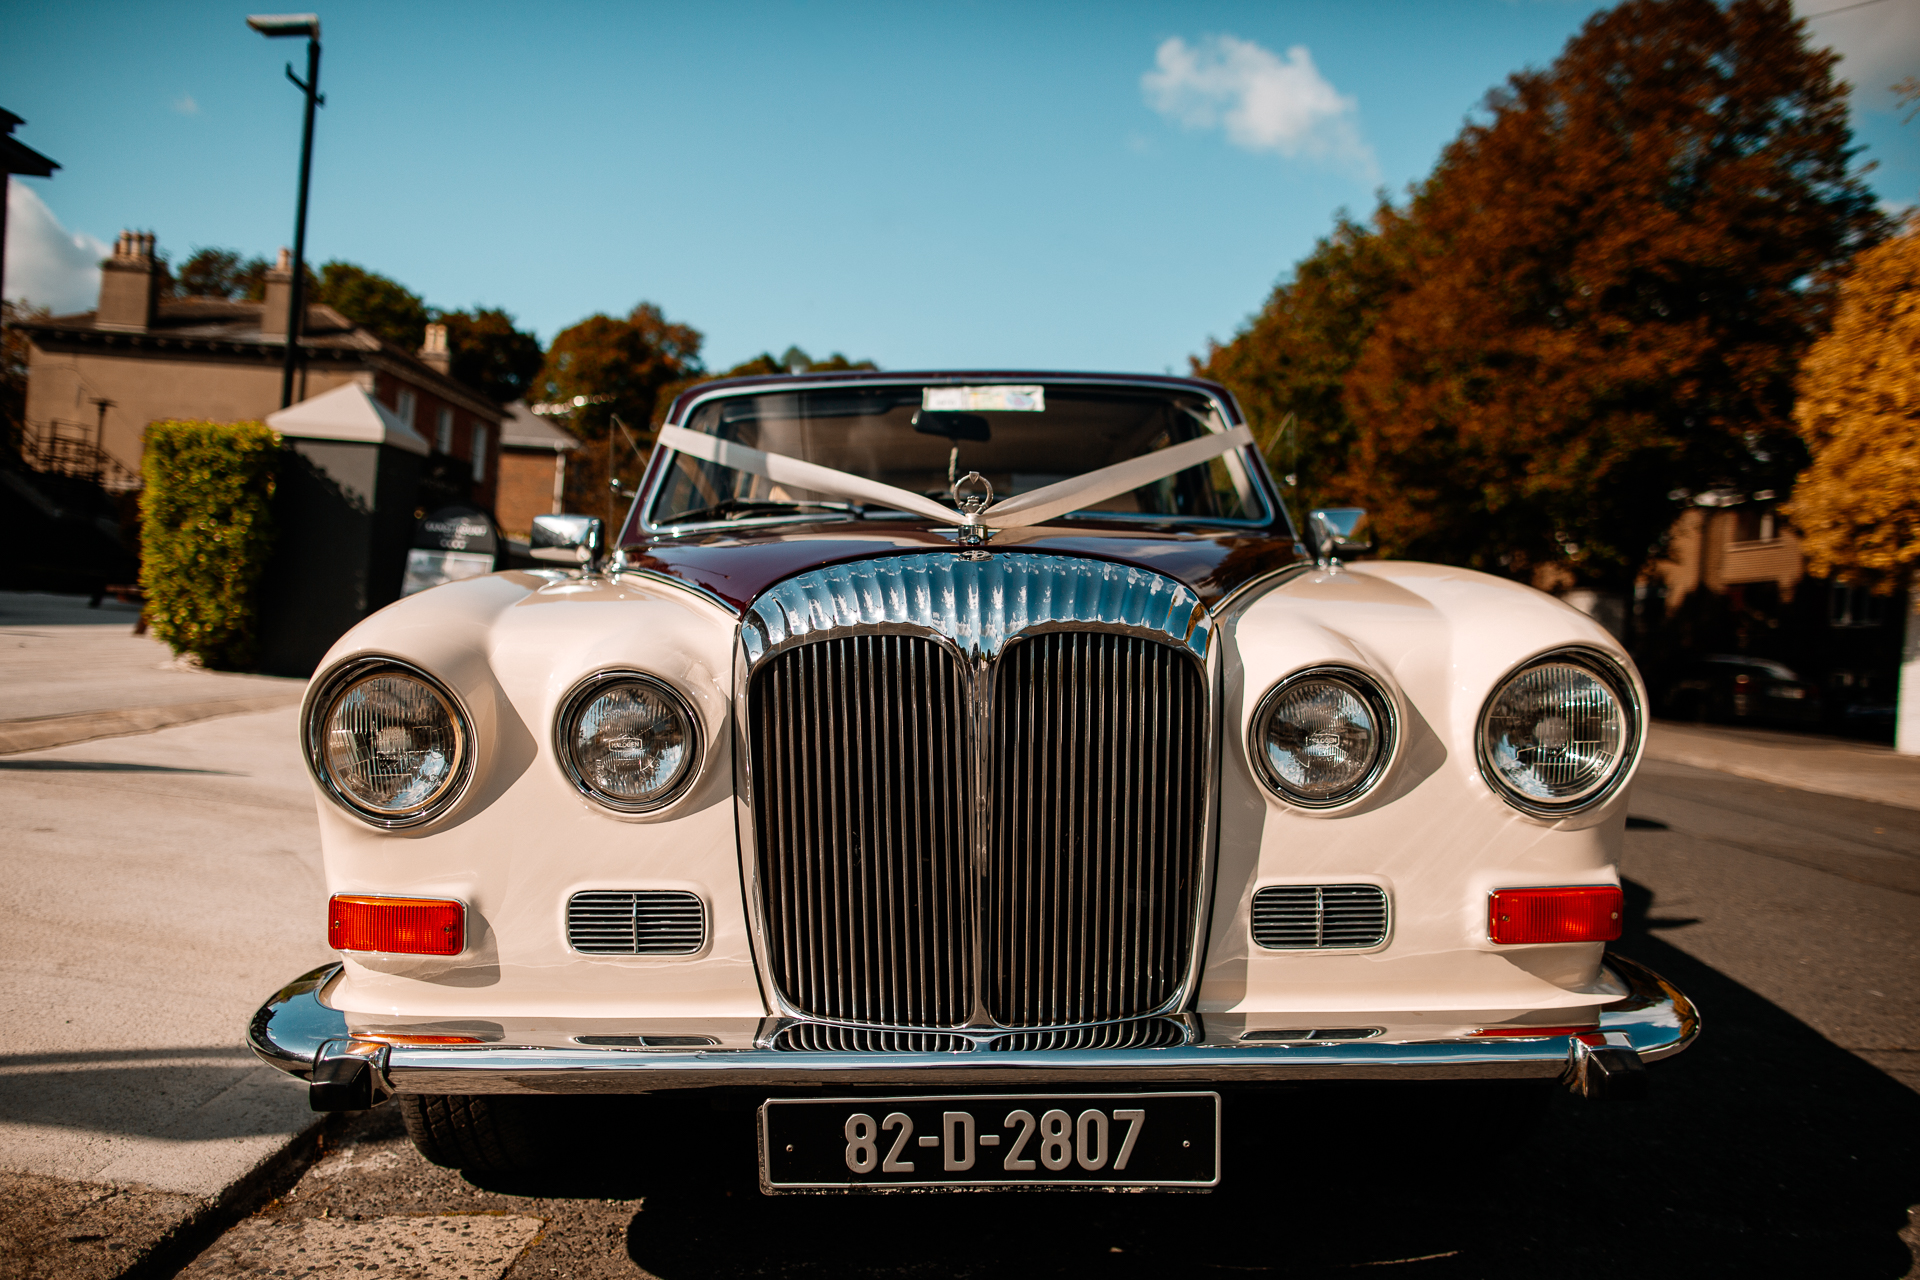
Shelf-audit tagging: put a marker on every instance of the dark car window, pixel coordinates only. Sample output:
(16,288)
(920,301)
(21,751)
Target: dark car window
(871,432)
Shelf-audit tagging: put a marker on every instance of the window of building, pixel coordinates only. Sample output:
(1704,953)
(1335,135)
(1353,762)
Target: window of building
(479,452)
(406,404)
(1855,606)
(1755,522)
(443,433)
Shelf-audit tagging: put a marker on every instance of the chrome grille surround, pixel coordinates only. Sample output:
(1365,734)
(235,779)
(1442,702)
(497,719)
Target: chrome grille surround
(972,606)
(636,922)
(1320,917)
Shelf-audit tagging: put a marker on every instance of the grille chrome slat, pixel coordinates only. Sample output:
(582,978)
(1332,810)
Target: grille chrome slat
(636,922)
(1301,917)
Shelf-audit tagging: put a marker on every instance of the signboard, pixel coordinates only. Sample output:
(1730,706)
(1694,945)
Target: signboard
(450,544)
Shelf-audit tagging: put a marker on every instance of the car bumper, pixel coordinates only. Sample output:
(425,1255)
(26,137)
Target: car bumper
(300,1034)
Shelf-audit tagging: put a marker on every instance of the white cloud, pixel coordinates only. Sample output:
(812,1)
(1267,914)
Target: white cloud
(185,105)
(47,264)
(1264,102)
(1876,43)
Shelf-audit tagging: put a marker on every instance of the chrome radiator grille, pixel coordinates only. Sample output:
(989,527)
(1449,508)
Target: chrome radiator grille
(636,922)
(880,881)
(1098,783)
(1288,917)
(861,803)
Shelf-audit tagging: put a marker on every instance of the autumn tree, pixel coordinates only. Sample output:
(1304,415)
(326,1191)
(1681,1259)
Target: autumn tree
(1857,505)
(611,372)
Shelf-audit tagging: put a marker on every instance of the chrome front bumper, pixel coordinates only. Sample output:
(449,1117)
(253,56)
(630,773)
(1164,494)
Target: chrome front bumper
(298,1033)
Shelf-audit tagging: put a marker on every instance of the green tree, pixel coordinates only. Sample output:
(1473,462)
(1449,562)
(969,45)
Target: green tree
(490,354)
(393,312)
(222,273)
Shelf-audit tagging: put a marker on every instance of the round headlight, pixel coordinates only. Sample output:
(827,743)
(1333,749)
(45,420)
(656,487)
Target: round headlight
(388,742)
(1321,738)
(628,741)
(1559,733)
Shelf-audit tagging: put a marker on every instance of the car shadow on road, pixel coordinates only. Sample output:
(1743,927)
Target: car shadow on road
(1764,1149)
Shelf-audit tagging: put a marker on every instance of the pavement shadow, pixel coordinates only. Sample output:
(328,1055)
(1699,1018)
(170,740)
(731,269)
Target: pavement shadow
(187,1094)
(1764,1149)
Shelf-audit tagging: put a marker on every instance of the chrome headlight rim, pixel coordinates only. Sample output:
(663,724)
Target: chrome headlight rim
(1608,670)
(327,691)
(581,695)
(1363,685)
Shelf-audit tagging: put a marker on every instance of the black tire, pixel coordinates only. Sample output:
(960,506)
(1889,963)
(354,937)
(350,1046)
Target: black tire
(474,1133)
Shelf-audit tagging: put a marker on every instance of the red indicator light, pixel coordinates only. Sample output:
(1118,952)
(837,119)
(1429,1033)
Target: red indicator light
(407,926)
(1580,913)
(1527,1033)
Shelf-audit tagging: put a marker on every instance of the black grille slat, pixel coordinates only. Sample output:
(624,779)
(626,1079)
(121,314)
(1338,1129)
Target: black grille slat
(1095,848)
(642,922)
(861,827)
(1294,917)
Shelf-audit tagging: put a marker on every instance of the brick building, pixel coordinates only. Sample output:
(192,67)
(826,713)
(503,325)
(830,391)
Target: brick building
(533,469)
(96,379)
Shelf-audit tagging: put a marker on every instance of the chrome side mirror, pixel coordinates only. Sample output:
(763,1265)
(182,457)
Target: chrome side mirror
(1336,532)
(568,539)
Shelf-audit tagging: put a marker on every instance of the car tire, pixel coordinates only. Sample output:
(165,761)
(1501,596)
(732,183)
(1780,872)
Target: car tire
(474,1133)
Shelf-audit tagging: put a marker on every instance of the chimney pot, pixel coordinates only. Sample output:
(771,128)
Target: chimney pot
(434,352)
(129,284)
(273,316)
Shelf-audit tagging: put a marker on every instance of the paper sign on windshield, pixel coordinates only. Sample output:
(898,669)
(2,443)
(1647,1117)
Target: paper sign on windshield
(976,399)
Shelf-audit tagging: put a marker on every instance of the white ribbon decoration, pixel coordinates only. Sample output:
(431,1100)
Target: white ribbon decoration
(1031,508)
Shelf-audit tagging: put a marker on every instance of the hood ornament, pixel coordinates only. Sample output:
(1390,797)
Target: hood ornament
(973,494)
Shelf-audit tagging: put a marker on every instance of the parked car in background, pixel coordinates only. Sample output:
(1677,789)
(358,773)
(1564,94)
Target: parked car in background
(985,774)
(1732,688)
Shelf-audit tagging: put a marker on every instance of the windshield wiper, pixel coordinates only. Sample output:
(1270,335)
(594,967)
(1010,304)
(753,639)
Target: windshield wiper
(734,508)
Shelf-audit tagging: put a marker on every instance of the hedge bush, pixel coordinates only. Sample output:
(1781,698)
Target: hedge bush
(206,527)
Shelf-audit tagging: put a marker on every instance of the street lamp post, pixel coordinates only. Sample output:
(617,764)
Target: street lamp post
(308,25)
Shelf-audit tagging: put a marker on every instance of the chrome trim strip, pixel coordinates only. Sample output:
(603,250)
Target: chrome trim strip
(1654,1020)
(974,603)
(578,696)
(1624,686)
(319,699)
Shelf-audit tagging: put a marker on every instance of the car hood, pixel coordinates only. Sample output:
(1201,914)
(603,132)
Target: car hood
(735,566)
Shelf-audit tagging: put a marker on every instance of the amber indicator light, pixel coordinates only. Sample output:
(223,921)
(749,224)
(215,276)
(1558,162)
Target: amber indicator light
(408,926)
(1580,913)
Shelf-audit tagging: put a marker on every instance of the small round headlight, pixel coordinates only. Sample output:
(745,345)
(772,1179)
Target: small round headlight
(627,740)
(1322,737)
(1558,734)
(388,742)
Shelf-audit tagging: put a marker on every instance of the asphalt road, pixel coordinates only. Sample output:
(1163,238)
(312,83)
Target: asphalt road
(1786,1142)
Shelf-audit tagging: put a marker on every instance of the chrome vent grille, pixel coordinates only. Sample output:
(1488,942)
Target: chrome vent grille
(860,816)
(1098,785)
(636,922)
(1297,917)
(815,1037)
(1146,1033)
(865,822)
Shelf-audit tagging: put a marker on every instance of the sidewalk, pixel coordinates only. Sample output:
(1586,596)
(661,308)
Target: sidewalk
(1830,766)
(69,674)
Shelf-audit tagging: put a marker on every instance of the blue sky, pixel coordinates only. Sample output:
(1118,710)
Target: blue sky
(1084,186)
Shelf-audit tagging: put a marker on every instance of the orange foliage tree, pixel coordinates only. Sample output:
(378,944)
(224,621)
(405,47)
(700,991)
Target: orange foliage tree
(1595,304)
(1858,504)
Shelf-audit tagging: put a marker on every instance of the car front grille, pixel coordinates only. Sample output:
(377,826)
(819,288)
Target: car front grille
(1301,917)
(636,922)
(866,828)
(1144,1033)
(816,1037)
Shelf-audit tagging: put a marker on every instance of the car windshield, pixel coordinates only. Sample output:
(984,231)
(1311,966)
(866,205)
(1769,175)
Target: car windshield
(923,438)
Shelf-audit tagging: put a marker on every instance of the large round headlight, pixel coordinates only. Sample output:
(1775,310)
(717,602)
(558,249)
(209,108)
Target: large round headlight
(388,742)
(627,740)
(1558,735)
(1322,737)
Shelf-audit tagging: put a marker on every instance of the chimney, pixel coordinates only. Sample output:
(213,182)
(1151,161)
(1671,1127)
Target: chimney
(273,319)
(434,350)
(129,284)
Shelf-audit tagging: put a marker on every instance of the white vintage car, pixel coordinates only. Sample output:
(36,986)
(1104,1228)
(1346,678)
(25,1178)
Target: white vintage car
(980,771)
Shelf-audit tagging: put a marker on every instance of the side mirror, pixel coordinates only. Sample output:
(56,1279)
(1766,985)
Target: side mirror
(568,539)
(1338,531)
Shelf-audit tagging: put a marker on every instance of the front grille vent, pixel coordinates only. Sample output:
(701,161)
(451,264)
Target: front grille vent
(636,922)
(1147,1033)
(815,1037)
(1297,917)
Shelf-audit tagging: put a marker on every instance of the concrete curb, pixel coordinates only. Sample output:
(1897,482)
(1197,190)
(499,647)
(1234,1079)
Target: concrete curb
(84,726)
(1804,762)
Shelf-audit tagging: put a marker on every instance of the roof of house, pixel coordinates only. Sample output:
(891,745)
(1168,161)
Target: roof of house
(525,429)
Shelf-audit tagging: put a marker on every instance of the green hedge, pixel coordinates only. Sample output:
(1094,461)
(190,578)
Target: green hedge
(206,527)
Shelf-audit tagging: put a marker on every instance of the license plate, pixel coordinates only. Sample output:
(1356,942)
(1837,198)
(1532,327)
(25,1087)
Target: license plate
(997,1140)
